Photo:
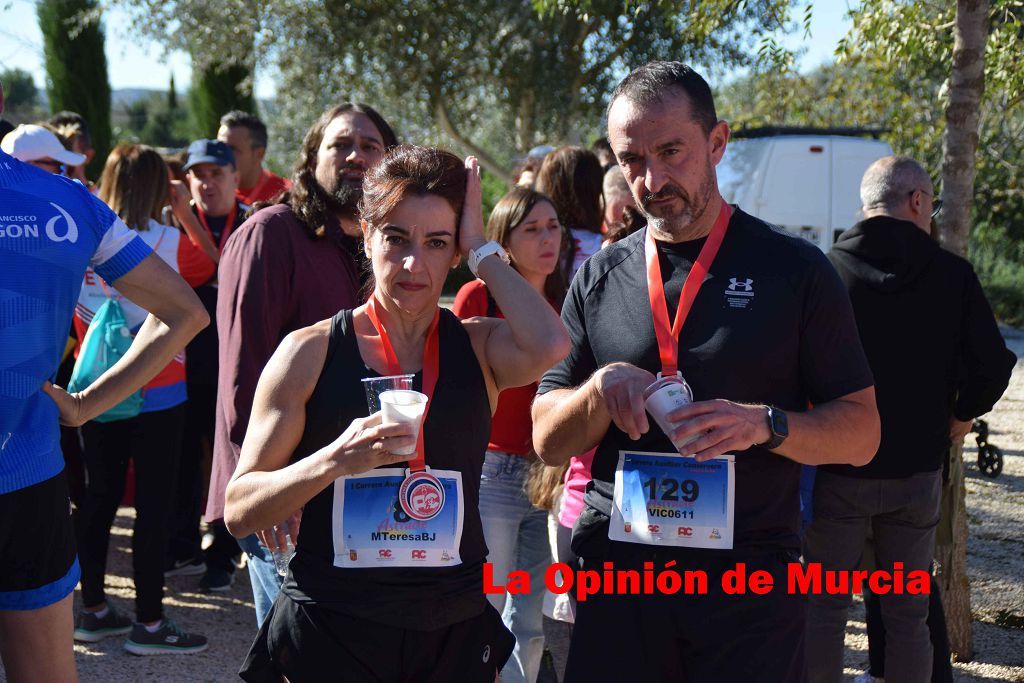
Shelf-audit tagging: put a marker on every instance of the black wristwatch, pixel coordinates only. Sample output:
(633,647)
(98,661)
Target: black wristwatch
(778,425)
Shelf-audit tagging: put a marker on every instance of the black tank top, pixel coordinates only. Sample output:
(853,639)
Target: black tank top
(455,437)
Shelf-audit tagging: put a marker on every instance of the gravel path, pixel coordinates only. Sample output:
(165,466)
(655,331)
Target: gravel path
(995,565)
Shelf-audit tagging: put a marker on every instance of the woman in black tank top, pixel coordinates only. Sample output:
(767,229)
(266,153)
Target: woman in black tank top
(386,582)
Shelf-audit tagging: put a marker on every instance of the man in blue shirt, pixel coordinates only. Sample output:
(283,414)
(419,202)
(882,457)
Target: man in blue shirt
(51,230)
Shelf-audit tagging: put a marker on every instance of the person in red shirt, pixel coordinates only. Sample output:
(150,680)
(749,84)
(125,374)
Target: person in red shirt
(246,135)
(526,225)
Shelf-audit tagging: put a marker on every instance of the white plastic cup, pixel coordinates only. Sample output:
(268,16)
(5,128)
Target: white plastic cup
(403,406)
(375,386)
(664,396)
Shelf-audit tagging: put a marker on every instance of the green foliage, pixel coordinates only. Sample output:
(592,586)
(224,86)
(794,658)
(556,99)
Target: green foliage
(76,68)
(21,99)
(493,189)
(172,95)
(216,90)
(493,78)
(151,121)
(892,74)
(998,259)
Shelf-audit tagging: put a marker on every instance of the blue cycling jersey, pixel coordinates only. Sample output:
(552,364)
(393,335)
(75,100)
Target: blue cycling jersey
(51,230)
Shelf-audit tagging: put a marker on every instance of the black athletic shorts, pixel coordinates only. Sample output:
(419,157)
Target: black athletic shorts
(308,644)
(37,546)
(711,638)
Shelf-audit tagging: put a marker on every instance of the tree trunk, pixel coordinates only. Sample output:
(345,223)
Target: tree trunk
(952,558)
(485,159)
(960,143)
(960,146)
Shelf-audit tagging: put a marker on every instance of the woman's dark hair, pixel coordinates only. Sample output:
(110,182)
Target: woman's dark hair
(510,211)
(408,170)
(308,200)
(572,178)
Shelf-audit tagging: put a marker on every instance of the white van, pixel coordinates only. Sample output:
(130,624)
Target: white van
(804,180)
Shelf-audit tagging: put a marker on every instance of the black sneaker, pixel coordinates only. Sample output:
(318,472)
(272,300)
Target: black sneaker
(166,640)
(190,567)
(91,629)
(216,581)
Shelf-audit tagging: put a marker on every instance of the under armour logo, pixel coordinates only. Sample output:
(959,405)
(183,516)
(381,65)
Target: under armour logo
(70,235)
(747,285)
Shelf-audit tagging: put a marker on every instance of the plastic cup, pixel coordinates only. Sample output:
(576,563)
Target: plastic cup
(403,406)
(375,386)
(664,396)
(282,556)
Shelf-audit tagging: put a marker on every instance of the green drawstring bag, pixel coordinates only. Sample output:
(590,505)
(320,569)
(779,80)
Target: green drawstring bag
(106,340)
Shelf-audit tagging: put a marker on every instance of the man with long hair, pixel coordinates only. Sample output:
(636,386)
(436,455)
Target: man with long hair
(289,265)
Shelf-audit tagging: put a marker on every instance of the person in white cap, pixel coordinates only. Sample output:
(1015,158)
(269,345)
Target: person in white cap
(40,147)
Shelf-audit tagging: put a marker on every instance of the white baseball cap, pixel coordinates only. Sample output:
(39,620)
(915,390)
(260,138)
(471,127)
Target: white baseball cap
(31,143)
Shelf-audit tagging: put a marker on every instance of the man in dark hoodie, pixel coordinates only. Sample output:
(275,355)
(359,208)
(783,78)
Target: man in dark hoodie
(939,362)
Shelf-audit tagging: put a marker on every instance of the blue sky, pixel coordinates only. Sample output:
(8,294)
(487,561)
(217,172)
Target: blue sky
(132,64)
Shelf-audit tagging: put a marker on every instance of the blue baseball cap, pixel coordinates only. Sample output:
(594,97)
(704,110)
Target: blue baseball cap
(209,152)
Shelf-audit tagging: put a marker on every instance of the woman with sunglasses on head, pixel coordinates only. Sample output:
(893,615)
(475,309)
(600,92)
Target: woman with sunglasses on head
(386,581)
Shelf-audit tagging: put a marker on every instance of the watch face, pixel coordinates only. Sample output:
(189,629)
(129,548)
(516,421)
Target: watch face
(780,425)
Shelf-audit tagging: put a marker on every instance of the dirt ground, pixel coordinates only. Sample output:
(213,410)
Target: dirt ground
(995,565)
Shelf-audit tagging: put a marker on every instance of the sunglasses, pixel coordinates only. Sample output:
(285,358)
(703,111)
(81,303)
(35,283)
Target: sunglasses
(49,165)
(936,203)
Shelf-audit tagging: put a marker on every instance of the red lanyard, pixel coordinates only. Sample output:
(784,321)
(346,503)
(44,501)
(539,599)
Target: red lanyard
(228,224)
(668,337)
(431,363)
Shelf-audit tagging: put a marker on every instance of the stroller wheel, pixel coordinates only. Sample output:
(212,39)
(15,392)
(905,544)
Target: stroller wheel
(990,460)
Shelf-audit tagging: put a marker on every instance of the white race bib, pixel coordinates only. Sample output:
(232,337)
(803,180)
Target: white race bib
(372,530)
(673,500)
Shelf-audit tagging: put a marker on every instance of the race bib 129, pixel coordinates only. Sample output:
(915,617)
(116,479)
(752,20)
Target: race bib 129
(673,500)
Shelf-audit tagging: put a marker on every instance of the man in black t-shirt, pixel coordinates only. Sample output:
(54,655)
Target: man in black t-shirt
(769,332)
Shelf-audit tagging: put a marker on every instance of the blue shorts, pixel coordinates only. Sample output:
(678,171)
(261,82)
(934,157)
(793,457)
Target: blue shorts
(37,546)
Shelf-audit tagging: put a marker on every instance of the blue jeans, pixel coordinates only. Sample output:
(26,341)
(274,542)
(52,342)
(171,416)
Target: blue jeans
(517,538)
(266,582)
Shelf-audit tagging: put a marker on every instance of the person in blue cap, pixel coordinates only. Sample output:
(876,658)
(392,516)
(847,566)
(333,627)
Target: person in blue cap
(213,181)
